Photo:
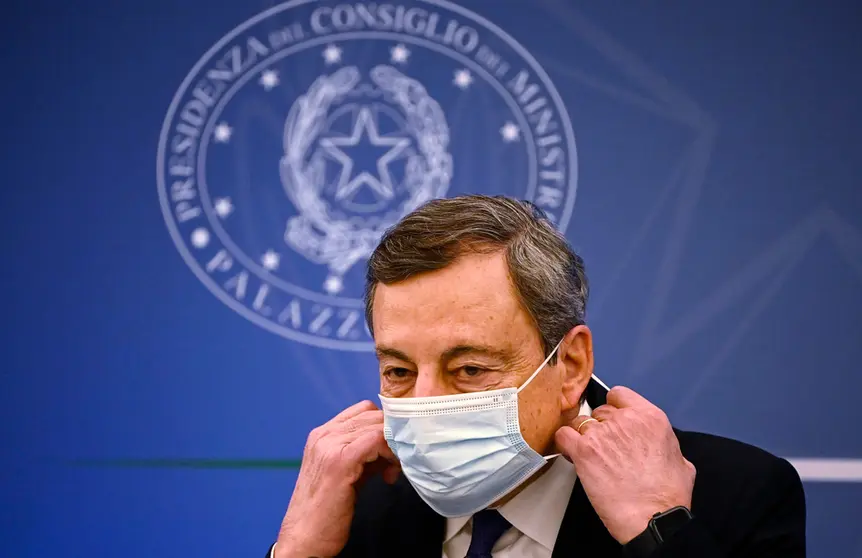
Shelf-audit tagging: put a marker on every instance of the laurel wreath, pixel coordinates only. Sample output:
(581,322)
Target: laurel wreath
(315,232)
(427,176)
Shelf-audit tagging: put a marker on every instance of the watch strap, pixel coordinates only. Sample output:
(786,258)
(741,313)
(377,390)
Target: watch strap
(658,530)
(641,546)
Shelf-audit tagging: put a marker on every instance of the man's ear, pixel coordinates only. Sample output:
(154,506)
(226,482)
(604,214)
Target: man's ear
(576,359)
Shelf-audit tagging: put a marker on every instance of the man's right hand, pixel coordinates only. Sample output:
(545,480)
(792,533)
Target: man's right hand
(338,457)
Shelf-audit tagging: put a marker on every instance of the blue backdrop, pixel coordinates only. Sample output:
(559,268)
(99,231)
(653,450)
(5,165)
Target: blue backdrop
(189,200)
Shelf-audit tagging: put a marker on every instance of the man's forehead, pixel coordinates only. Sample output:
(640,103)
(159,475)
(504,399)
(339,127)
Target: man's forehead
(473,317)
(476,283)
(470,303)
(448,331)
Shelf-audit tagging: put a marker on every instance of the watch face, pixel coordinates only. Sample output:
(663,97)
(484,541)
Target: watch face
(671,521)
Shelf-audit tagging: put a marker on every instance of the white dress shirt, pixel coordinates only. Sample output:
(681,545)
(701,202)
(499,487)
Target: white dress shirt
(536,514)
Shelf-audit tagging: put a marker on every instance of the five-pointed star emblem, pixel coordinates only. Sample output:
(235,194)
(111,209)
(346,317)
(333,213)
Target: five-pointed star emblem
(382,183)
(463,78)
(269,79)
(399,54)
(223,207)
(270,260)
(332,54)
(222,132)
(510,132)
(200,237)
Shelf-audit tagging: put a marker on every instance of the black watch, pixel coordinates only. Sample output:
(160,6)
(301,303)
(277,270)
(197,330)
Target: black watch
(662,526)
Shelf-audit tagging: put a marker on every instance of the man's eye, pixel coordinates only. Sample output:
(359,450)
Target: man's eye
(471,371)
(397,372)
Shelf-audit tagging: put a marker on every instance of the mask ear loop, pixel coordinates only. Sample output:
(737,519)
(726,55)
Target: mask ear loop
(546,361)
(541,366)
(601,383)
(530,379)
(536,373)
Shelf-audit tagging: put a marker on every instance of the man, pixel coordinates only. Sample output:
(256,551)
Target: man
(477,308)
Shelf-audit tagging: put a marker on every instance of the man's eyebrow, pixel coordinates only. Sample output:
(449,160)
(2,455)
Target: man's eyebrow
(448,354)
(462,350)
(382,351)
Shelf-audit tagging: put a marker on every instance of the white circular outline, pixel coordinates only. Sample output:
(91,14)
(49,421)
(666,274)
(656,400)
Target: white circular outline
(179,242)
(227,95)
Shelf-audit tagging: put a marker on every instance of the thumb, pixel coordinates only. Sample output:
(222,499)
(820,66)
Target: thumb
(391,473)
(567,440)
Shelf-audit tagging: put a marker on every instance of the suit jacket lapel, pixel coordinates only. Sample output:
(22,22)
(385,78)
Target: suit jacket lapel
(582,533)
(420,530)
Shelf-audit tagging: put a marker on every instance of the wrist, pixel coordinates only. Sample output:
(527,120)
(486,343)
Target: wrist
(283,549)
(662,527)
(640,517)
(636,522)
(294,547)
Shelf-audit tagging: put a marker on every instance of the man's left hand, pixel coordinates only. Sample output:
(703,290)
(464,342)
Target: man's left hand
(628,461)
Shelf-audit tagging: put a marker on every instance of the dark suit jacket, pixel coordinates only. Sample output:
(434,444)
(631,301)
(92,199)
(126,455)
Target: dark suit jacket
(747,503)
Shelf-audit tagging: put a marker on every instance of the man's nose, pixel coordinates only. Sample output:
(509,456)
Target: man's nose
(430,383)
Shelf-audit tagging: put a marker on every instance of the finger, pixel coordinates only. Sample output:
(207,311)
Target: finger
(354,410)
(360,421)
(390,475)
(583,424)
(346,438)
(622,397)
(369,446)
(587,426)
(389,471)
(570,438)
(567,440)
(605,412)
(371,470)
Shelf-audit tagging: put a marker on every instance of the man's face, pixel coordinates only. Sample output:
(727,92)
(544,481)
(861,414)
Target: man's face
(462,329)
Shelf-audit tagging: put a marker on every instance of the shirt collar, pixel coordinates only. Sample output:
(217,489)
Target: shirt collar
(549,493)
(454,526)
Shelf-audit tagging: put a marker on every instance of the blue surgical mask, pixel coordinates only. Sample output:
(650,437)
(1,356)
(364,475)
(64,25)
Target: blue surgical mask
(461,452)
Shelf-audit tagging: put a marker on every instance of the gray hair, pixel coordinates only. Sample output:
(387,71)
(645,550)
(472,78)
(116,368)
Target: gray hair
(548,276)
